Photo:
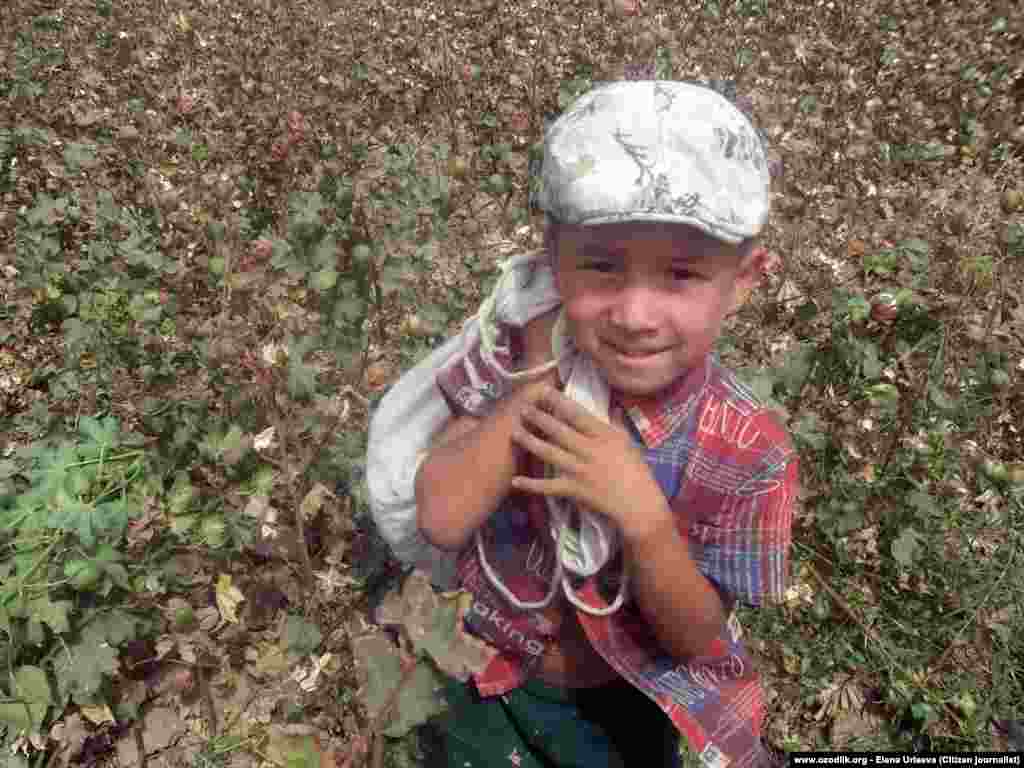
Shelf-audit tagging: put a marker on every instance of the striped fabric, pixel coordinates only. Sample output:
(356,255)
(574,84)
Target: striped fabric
(729,470)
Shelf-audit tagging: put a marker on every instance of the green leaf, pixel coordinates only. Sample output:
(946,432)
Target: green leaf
(324,279)
(808,103)
(81,668)
(795,367)
(105,433)
(361,253)
(32,691)
(391,277)
(182,524)
(234,446)
(381,669)
(53,614)
(923,712)
(304,212)
(216,230)
(118,574)
(301,377)
(940,399)
(433,624)
(13,761)
(883,395)
(300,636)
(107,211)
(918,254)
(115,627)
(34,633)
(871,366)
(498,184)
(808,428)
(923,503)
(46,211)
(78,155)
(213,531)
(762,384)
(744,58)
(181,496)
(906,546)
(859,309)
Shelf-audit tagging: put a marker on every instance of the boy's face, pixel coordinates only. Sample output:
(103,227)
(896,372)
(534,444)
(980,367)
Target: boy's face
(646,300)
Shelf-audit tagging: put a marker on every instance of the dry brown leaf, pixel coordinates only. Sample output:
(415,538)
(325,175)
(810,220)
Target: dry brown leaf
(433,623)
(849,725)
(228,598)
(314,501)
(161,726)
(98,714)
(840,696)
(285,748)
(70,734)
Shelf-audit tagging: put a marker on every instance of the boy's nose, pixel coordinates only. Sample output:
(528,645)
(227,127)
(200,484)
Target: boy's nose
(633,310)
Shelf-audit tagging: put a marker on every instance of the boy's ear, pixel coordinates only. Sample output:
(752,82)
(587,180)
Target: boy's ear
(753,266)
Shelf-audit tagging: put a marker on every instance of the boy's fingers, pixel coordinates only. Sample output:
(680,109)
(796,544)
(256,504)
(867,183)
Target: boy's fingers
(542,449)
(548,424)
(542,487)
(570,411)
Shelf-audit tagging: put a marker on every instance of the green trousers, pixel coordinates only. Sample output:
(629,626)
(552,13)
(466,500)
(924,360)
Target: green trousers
(541,726)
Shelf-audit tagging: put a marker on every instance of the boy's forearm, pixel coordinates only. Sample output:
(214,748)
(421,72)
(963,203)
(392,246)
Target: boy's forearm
(681,605)
(462,481)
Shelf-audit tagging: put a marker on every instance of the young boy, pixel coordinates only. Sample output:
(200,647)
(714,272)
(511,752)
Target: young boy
(655,193)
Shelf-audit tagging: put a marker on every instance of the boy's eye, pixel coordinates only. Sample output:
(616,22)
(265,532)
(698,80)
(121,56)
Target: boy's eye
(605,267)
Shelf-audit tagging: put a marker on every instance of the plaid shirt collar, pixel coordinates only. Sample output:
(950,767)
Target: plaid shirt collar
(658,415)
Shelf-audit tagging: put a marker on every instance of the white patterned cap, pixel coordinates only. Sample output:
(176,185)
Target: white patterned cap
(656,150)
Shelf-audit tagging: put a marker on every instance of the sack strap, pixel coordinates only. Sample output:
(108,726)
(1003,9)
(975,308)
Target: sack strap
(562,532)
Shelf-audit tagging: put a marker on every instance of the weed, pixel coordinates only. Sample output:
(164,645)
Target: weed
(569,90)
(752,8)
(978,271)
(272,304)
(1014,240)
(24,83)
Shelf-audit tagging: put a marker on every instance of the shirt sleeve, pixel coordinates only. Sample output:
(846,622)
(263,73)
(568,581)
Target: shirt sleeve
(468,383)
(739,503)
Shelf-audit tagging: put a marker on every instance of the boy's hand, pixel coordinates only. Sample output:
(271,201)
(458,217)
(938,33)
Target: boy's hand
(537,338)
(598,464)
(537,343)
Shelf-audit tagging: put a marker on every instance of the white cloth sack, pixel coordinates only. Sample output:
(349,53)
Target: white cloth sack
(414,410)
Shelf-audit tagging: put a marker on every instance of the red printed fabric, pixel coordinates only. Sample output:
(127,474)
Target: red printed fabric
(728,468)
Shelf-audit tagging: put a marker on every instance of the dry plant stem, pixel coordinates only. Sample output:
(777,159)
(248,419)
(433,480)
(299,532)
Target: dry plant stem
(307,459)
(204,689)
(266,757)
(537,55)
(140,745)
(994,313)
(381,718)
(348,391)
(894,441)
(377,753)
(941,660)
(870,633)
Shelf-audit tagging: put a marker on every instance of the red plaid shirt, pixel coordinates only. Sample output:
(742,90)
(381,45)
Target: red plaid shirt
(729,471)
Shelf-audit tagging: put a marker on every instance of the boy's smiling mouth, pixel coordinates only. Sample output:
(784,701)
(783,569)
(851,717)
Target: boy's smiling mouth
(632,349)
(633,355)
